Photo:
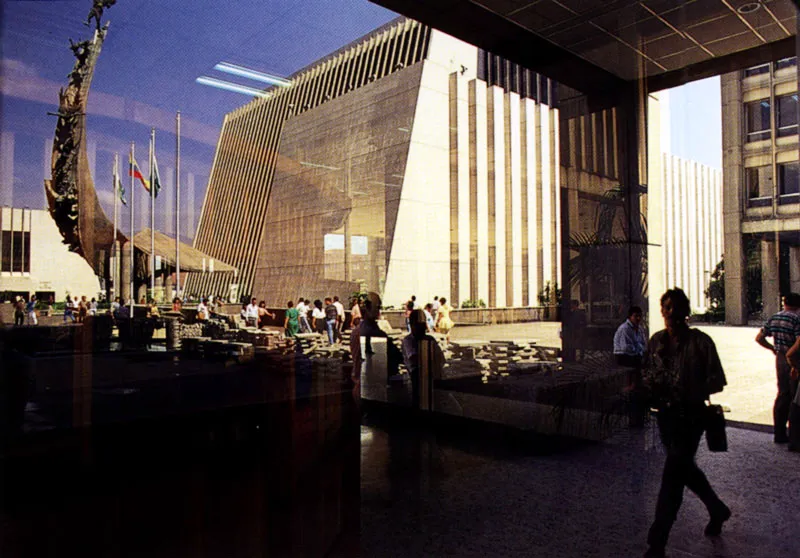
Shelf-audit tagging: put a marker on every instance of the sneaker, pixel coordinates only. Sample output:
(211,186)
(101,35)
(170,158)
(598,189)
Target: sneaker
(714,527)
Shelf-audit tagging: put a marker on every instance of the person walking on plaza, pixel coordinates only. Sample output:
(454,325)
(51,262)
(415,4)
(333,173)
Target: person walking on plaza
(435,306)
(93,307)
(681,371)
(339,317)
(30,309)
(251,314)
(355,313)
(263,312)
(331,316)
(429,319)
(68,310)
(784,328)
(411,353)
(302,316)
(83,308)
(318,317)
(202,310)
(19,311)
(444,324)
(291,324)
(407,315)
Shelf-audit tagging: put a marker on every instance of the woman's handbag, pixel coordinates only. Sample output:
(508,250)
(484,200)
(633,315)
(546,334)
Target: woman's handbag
(716,437)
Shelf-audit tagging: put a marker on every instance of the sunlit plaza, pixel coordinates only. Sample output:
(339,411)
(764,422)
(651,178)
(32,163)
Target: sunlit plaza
(349,278)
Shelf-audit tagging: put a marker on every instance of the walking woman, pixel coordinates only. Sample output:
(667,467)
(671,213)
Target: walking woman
(318,317)
(681,370)
(292,323)
(444,324)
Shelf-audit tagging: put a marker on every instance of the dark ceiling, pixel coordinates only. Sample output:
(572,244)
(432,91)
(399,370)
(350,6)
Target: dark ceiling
(595,45)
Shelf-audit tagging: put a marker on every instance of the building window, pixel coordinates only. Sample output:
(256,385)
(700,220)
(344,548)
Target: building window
(757,120)
(789,183)
(757,70)
(758,185)
(16,250)
(787,115)
(786,63)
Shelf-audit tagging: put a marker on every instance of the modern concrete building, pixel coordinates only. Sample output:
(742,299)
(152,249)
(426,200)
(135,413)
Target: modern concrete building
(692,214)
(408,162)
(34,260)
(761,187)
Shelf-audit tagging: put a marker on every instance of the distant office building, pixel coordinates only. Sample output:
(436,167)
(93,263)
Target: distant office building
(34,260)
(761,189)
(692,214)
(408,162)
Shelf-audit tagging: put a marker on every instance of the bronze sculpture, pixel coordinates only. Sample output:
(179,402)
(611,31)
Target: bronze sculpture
(71,195)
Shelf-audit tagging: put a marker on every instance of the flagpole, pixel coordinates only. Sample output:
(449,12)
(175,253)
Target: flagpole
(178,204)
(152,215)
(133,204)
(114,252)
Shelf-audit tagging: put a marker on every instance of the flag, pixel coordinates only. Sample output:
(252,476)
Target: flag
(133,170)
(155,180)
(121,191)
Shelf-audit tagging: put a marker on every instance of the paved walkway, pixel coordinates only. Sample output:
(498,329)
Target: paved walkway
(434,493)
(749,368)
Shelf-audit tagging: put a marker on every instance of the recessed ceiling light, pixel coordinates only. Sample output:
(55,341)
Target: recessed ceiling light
(749,8)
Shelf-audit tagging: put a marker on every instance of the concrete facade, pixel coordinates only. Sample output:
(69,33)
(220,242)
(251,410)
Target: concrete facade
(761,195)
(430,176)
(692,214)
(53,268)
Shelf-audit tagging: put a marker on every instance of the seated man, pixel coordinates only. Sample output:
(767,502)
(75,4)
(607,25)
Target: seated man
(630,340)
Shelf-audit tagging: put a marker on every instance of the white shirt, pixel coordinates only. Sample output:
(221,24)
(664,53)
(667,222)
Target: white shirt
(302,309)
(202,308)
(252,311)
(339,308)
(318,313)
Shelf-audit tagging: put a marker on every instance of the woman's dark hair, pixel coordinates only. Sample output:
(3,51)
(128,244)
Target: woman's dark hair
(289,304)
(318,304)
(634,310)
(680,303)
(263,303)
(442,300)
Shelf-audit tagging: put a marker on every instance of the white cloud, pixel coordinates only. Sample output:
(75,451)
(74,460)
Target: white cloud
(10,67)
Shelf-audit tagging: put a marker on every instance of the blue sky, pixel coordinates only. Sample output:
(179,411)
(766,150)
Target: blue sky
(146,72)
(695,119)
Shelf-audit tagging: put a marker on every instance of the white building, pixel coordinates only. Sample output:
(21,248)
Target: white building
(33,260)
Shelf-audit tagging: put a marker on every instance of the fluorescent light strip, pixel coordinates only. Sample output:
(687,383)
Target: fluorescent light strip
(318,166)
(240,71)
(228,86)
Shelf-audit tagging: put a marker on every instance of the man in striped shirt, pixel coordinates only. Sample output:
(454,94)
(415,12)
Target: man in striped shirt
(784,328)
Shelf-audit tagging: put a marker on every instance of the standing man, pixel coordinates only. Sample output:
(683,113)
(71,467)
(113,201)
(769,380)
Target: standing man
(784,328)
(251,314)
(339,317)
(31,311)
(435,308)
(302,313)
(681,371)
(19,312)
(630,340)
(331,315)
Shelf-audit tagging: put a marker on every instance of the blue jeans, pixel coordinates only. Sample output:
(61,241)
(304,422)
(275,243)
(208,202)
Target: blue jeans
(304,327)
(330,325)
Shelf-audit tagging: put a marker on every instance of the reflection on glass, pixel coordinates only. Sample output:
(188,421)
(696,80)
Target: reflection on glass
(757,118)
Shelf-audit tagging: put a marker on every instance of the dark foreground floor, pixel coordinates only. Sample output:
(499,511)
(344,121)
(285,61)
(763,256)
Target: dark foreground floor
(426,494)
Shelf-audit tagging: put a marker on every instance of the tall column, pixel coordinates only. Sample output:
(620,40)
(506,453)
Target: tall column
(7,169)
(770,278)
(732,178)
(794,269)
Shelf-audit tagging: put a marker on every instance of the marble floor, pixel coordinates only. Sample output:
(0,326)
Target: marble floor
(430,493)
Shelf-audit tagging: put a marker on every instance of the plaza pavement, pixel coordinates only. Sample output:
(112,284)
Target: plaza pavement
(749,368)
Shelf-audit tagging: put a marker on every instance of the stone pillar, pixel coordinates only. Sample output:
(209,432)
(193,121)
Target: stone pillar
(732,192)
(770,278)
(794,269)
